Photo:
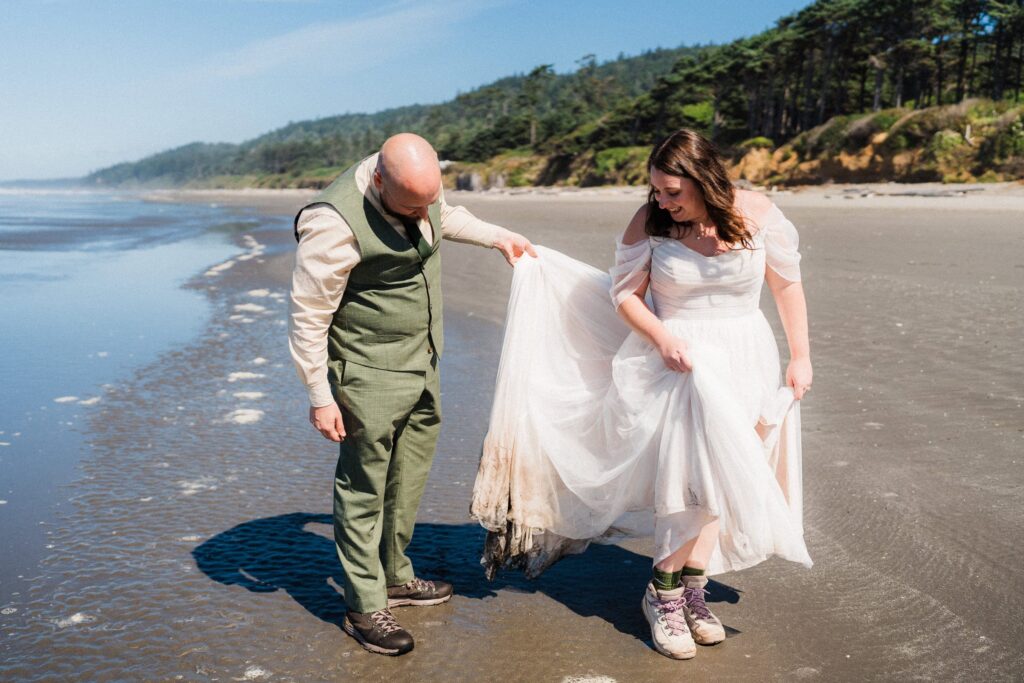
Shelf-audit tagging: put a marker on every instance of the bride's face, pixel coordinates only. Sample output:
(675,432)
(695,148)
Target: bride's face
(681,197)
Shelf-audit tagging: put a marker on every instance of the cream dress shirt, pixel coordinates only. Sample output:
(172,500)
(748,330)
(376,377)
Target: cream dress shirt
(326,254)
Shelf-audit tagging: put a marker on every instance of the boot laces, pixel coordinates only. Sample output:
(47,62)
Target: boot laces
(695,601)
(385,621)
(421,585)
(671,612)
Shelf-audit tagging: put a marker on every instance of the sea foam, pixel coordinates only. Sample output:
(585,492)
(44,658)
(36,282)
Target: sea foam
(245,416)
(236,376)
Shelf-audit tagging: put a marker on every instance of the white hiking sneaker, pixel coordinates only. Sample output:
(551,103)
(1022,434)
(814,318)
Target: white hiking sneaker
(666,613)
(706,628)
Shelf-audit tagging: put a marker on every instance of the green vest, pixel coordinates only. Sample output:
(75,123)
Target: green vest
(390,314)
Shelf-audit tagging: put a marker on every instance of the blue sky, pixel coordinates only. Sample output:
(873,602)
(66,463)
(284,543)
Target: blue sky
(88,83)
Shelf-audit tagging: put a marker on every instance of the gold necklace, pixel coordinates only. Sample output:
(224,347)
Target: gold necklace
(704,231)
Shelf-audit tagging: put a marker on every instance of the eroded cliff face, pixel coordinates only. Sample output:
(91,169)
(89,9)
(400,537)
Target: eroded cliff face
(872,163)
(975,140)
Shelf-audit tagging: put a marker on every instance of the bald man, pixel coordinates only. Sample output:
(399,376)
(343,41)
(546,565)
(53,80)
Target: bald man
(366,338)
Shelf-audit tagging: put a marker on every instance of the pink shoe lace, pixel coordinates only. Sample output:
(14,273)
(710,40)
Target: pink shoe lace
(672,610)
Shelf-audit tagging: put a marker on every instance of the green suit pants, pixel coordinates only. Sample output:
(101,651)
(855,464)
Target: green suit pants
(392,421)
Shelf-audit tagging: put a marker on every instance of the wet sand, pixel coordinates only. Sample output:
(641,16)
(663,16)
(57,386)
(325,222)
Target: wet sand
(72,328)
(198,543)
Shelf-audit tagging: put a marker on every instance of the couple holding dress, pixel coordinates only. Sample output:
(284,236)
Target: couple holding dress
(644,400)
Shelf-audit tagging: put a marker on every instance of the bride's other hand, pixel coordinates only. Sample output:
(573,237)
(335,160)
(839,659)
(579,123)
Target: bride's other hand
(799,375)
(676,354)
(513,245)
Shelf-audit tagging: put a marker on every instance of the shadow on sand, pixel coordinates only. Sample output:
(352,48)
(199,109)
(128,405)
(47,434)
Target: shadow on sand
(295,553)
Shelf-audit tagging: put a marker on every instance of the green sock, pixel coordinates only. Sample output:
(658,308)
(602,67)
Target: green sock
(692,571)
(666,581)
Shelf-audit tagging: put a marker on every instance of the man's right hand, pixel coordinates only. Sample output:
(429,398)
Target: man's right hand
(327,421)
(513,245)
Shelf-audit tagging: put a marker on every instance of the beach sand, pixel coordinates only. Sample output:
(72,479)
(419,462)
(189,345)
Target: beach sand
(198,543)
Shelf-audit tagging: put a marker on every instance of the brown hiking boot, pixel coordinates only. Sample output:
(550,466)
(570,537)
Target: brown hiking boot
(420,593)
(378,632)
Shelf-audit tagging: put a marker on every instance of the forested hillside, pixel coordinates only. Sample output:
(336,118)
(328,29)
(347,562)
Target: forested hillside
(835,58)
(509,113)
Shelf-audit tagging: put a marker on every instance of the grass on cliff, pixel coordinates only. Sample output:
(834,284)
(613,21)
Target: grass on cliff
(976,140)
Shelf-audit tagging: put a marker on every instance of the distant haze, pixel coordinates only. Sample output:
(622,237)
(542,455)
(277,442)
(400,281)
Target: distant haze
(90,84)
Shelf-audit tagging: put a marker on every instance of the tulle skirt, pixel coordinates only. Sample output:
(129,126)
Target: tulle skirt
(591,437)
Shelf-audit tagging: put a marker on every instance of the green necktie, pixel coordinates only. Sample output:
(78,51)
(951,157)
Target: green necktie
(416,237)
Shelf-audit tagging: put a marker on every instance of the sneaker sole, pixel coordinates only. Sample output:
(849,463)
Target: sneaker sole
(376,649)
(405,602)
(701,640)
(708,643)
(671,655)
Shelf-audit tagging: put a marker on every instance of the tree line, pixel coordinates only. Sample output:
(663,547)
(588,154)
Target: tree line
(832,58)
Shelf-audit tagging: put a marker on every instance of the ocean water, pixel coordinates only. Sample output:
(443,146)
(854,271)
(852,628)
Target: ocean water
(91,289)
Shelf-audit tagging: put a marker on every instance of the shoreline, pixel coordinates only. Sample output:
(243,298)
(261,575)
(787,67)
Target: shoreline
(988,196)
(78,333)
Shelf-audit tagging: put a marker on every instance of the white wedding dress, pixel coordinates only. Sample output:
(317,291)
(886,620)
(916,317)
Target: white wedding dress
(592,437)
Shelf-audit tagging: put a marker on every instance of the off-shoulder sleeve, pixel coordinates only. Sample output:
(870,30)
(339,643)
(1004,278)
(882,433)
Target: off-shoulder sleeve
(781,244)
(631,271)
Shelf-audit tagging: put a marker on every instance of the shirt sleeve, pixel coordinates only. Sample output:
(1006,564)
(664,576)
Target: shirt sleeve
(632,269)
(326,253)
(781,244)
(459,225)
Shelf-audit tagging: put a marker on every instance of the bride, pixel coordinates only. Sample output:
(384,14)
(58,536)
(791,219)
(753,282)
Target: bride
(662,410)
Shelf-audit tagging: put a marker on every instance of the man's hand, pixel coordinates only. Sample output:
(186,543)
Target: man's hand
(327,421)
(513,246)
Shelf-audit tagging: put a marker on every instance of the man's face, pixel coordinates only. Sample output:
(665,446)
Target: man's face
(399,201)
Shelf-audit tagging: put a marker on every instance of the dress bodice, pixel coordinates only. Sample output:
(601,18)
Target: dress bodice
(687,284)
(684,283)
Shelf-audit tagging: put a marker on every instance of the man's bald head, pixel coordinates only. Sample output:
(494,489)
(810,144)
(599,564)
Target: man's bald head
(408,174)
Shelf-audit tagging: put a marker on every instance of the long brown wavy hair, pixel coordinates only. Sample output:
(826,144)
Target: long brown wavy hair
(688,154)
